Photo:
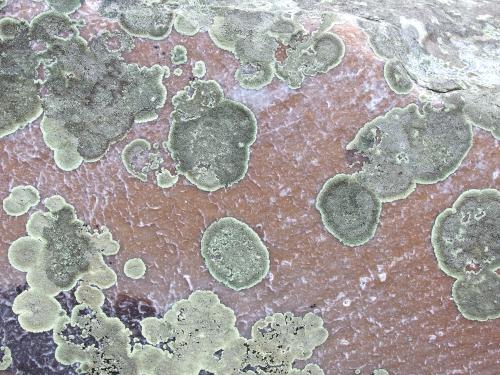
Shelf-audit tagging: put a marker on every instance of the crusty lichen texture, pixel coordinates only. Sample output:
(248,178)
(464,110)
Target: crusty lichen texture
(210,136)
(178,55)
(466,241)
(407,146)
(134,268)
(349,210)
(20,200)
(58,252)
(5,354)
(197,335)
(64,6)
(397,78)
(234,254)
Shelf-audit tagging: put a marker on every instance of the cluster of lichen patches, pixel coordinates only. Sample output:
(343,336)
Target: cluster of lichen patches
(64,6)
(134,268)
(143,18)
(397,78)
(210,136)
(5,353)
(348,209)
(199,69)
(318,53)
(19,92)
(58,252)
(234,254)
(178,55)
(405,147)
(20,200)
(466,241)
(93,98)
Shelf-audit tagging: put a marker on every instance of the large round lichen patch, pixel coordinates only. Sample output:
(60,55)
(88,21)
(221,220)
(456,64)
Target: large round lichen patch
(234,254)
(466,241)
(210,136)
(20,200)
(348,210)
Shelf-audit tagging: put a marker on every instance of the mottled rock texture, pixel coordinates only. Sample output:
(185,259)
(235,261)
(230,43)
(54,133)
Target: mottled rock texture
(385,304)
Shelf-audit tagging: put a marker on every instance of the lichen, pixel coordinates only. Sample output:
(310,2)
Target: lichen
(349,210)
(397,78)
(309,369)
(483,110)
(143,18)
(380,371)
(64,6)
(178,72)
(199,69)
(58,252)
(20,103)
(20,200)
(134,268)
(165,179)
(186,26)
(178,55)
(210,136)
(405,147)
(234,254)
(466,241)
(6,356)
(135,158)
(93,98)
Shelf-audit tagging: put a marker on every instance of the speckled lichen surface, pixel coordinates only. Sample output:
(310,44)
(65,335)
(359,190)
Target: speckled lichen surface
(356,143)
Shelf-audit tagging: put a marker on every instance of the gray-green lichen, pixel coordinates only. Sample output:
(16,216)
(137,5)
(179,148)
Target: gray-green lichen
(199,69)
(210,136)
(482,108)
(396,77)
(466,241)
(186,26)
(178,72)
(135,157)
(134,268)
(165,179)
(20,200)
(58,252)
(349,210)
(196,335)
(178,55)
(234,254)
(93,98)
(3,3)
(64,6)
(20,103)
(380,371)
(5,353)
(405,147)
(141,18)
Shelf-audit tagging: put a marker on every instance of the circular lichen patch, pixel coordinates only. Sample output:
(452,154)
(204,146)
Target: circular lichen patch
(348,210)
(37,311)
(234,254)
(6,358)
(134,268)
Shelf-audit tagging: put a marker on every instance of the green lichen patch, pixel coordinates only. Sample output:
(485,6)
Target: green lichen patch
(317,54)
(349,210)
(310,369)
(405,147)
(186,26)
(143,18)
(199,69)
(165,179)
(467,236)
(135,157)
(37,311)
(20,103)
(93,98)
(234,254)
(178,72)
(483,110)
(210,136)
(178,55)
(20,200)
(58,252)
(3,3)
(5,353)
(64,6)
(134,268)
(380,371)
(466,241)
(478,295)
(397,78)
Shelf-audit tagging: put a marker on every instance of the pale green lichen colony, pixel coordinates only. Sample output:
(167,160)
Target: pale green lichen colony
(234,254)
(20,200)
(90,98)
(466,241)
(6,357)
